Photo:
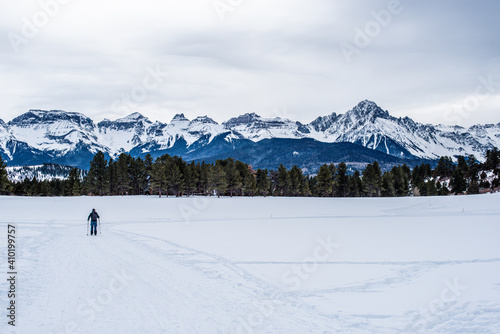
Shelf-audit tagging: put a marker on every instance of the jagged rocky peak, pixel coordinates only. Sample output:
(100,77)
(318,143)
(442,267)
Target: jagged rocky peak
(368,108)
(156,129)
(323,123)
(180,118)
(204,120)
(133,121)
(134,117)
(37,116)
(242,119)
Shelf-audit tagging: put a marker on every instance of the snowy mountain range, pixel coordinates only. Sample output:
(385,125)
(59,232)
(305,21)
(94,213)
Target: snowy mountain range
(70,138)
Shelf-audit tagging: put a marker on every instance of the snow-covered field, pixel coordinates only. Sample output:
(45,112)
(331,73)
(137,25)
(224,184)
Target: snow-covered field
(254,265)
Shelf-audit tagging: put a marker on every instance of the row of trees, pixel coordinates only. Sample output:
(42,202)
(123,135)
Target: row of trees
(172,176)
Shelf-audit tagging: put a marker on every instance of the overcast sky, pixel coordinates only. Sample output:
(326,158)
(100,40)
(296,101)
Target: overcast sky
(435,61)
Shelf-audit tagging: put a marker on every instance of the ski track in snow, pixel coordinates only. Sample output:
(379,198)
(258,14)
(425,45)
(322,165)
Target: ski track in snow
(171,288)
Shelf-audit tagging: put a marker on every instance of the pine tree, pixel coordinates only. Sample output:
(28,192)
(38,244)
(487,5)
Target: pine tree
(462,164)
(189,177)
(112,177)
(313,186)
(471,161)
(333,173)
(473,174)
(296,181)
(5,185)
(473,188)
(204,177)
(196,175)
(34,187)
(495,183)
(444,167)
(233,179)
(273,189)
(140,171)
(122,174)
(304,188)
(175,180)
(217,179)
(98,174)
(420,189)
(355,185)
(431,189)
(222,184)
(73,182)
(492,158)
(457,182)
(388,189)
(243,170)
(284,182)
(250,185)
(263,182)
(148,165)
(342,180)
(158,177)
(401,187)
(372,179)
(325,181)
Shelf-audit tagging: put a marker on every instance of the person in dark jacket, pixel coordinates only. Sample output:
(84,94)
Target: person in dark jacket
(93,222)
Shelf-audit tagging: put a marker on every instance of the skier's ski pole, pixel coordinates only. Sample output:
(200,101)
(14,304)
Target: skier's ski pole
(100,228)
(87,227)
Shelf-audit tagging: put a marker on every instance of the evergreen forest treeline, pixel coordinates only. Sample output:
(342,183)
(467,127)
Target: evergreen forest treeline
(172,176)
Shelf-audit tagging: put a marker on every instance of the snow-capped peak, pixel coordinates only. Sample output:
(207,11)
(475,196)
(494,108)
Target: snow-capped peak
(322,123)
(241,120)
(204,120)
(368,109)
(256,128)
(54,131)
(180,118)
(134,117)
(50,116)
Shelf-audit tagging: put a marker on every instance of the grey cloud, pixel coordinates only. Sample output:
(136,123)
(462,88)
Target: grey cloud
(265,56)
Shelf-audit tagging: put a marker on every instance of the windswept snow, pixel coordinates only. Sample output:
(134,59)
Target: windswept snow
(256,265)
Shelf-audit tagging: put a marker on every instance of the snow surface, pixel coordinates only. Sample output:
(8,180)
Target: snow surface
(255,265)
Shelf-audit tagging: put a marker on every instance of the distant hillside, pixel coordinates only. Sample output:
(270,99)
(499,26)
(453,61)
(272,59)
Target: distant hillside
(40,172)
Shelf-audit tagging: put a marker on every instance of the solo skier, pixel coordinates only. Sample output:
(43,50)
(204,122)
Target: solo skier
(93,221)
